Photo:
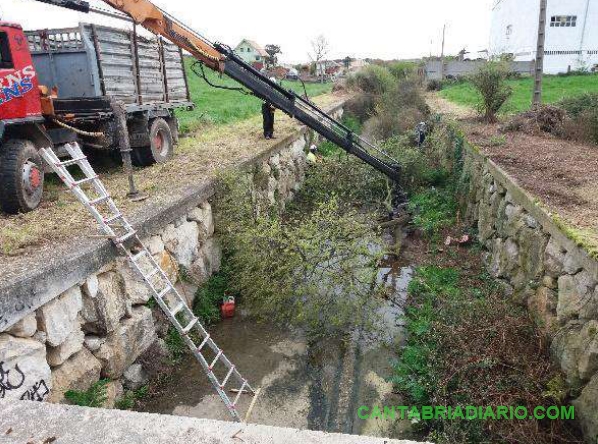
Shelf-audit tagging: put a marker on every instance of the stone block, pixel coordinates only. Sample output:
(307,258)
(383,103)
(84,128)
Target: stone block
(182,242)
(135,377)
(588,360)
(532,245)
(79,373)
(155,245)
(205,220)
(577,297)
(114,392)
(135,288)
(124,345)
(565,350)
(554,258)
(24,371)
(543,306)
(91,286)
(586,407)
(58,318)
(25,328)
(72,345)
(103,313)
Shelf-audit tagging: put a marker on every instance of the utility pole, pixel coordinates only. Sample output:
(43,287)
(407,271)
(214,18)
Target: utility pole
(539,73)
(442,53)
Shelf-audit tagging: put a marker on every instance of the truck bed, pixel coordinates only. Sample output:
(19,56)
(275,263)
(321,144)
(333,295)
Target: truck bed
(91,62)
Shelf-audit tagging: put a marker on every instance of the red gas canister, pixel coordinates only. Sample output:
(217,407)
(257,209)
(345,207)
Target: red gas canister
(228,307)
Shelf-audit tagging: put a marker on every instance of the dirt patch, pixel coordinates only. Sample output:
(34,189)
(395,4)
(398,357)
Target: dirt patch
(562,174)
(197,159)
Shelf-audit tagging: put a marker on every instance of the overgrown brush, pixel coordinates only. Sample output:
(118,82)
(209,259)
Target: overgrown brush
(583,113)
(468,345)
(490,82)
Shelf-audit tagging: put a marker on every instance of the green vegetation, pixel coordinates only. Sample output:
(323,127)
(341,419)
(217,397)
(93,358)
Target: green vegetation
(556,88)
(493,91)
(176,345)
(219,106)
(583,112)
(210,295)
(95,396)
(433,210)
(130,398)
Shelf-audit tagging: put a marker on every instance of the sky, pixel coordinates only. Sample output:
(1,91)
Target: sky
(386,29)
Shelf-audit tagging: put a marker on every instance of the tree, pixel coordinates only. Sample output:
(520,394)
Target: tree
(320,48)
(272,59)
(347,62)
(491,83)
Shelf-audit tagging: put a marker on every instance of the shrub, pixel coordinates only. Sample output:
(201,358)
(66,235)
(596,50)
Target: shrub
(490,82)
(95,396)
(583,112)
(402,70)
(435,85)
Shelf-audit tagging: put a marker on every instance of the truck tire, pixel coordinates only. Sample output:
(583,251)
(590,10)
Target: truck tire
(21,177)
(161,147)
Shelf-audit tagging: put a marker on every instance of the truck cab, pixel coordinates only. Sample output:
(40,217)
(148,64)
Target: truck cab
(83,81)
(21,167)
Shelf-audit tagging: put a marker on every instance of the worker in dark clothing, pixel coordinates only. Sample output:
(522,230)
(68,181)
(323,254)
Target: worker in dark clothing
(268,114)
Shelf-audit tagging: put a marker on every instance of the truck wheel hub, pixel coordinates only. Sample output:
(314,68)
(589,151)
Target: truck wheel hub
(159,143)
(32,177)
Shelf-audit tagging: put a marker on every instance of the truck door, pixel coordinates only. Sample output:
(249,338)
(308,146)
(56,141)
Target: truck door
(19,93)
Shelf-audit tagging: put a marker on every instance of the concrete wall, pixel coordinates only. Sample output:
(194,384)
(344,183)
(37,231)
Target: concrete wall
(514,30)
(540,267)
(456,69)
(101,326)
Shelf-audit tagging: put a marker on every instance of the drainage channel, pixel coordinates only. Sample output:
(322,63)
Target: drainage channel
(305,386)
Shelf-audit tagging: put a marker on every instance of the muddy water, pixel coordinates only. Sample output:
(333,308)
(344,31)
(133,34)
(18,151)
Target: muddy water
(316,387)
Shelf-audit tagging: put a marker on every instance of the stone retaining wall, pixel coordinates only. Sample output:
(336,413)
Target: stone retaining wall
(102,326)
(539,265)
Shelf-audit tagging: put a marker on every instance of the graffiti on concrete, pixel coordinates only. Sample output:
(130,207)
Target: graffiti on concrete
(14,379)
(9,383)
(38,392)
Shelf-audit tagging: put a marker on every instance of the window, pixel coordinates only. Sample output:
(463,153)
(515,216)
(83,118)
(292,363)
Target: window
(5,56)
(563,21)
(258,58)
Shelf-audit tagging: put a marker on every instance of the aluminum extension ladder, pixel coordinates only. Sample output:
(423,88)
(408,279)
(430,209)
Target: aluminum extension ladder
(98,202)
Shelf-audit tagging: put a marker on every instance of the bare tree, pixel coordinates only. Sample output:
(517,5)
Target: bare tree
(320,47)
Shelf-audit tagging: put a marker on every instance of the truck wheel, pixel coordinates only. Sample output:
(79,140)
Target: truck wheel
(21,177)
(161,147)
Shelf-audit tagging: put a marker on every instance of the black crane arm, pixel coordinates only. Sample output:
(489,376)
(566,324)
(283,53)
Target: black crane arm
(223,59)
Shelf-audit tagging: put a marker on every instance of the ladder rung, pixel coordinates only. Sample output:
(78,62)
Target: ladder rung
(138,256)
(178,309)
(240,392)
(203,344)
(228,375)
(189,327)
(126,237)
(71,162)
(216,359)
(99,200)
(113,219)
(165,292)
(84,181)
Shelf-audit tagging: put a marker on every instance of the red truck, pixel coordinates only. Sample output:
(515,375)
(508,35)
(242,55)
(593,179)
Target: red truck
(84,71)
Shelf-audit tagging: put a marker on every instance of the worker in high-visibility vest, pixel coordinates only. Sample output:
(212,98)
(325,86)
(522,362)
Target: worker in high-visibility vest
(312,159)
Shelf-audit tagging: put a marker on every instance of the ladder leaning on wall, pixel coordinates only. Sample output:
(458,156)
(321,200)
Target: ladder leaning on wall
(91,192)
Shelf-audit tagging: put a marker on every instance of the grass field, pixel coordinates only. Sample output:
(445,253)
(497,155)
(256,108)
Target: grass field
(218,106)
(555,88)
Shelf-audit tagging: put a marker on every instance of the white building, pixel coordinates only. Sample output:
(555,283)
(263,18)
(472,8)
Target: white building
(571,32)
(252,53)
